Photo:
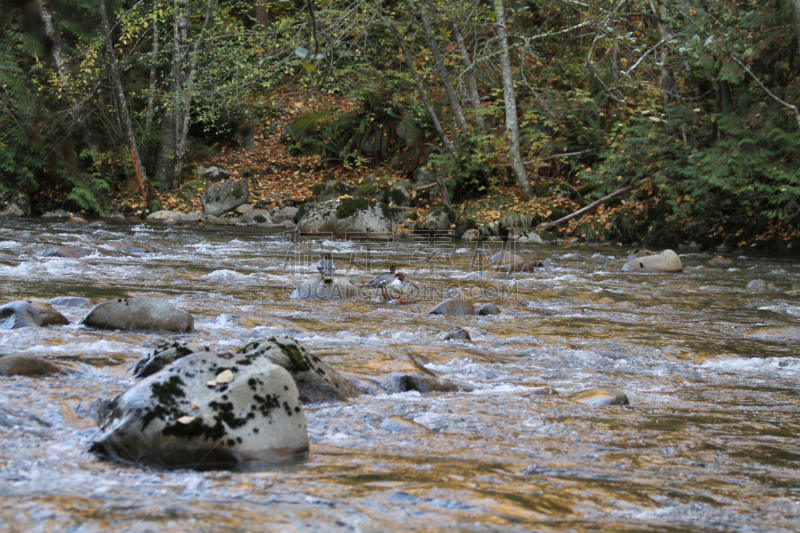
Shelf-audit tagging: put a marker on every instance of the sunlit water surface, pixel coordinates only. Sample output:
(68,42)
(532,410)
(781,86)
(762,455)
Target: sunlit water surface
(709,442)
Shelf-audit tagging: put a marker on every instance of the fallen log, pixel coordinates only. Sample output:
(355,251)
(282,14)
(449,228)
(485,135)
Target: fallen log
(592,205)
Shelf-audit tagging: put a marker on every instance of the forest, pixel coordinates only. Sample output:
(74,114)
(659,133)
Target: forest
(526,110)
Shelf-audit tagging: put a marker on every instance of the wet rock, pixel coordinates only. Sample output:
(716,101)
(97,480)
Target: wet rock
(501,258)
(29,313)
(776,334)
(527,237)
(280,214)
(666,261)
(225,197)
(423,176)
(57,214)
(759,285)
(600,397)
(207,409)
(488,309)
(77,221)
(257,216)
(98,224)
(192,217)
(541,391)
(14,419)
(453,307)
(13,204)
(165,354)
(316,381)
(398,424)
(639,252)
(521,266)
(456,334)
(65,253)
(347,218)
(139,314)
(130,248)
(8,257)
(332,190)
(691,247)
(244,208)
(71,301)
(27,365)
(233,221)
(720,261)
(166,215)
(471,235)
(435,221)
(399,196)
(317,289)
(212,173)
(286,224)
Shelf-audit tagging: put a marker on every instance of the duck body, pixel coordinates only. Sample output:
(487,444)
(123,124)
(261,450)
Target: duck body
(400,288)
(325,267)
(383,281)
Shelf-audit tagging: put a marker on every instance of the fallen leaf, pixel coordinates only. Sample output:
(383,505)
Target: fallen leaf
(186,419)
(225,377)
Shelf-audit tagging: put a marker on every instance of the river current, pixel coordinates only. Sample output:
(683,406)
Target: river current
(709,441)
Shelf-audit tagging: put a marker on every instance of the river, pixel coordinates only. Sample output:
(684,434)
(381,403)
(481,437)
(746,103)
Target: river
(709,441)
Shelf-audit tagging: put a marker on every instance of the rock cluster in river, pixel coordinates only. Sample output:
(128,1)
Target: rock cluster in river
(29,313)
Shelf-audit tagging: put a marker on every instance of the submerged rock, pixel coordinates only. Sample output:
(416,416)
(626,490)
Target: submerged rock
(456,334)
(501,258)
(139,314)
(318,289)
(71,301)
(759,285)
(776,334)
(488,309)
(600,397)
(29,313)
(65,253)
(77,221)
(666,261)
(522,266)
(403,375)
(207,409)
(27,365)
(720,261)
(257,216)
(471,235)
(453,307)
(224,197)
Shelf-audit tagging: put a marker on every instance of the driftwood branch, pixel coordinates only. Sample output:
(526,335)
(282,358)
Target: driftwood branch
(758,81)
(425,187)
(451,214)
(592,205)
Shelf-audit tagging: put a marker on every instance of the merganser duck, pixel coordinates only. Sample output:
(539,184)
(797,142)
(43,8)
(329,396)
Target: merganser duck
(326,267)
(400,288)
(383,281)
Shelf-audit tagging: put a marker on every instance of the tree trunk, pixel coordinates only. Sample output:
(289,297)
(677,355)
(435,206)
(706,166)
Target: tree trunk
(55,37)
(472,78)
(796,9)
(512,125)
(123,106)
(151,90)
(441,71)
(420,89)
(262,13)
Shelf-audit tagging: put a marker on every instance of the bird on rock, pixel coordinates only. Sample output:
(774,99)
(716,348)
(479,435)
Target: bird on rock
(383,281)
(400,288)
(326,268)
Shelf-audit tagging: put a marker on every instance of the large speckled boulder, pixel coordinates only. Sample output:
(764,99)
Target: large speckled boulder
(13,204)
(166,354)
(317,289)
(207,409)
(225,197)
(316,381)
(29,313)
(666,261)
(27,365)
(257,216)
(348,217)
(454,307)
(139,314)
(600,397)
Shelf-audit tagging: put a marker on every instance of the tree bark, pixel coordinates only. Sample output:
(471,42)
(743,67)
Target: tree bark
(448,206)
(151,90)
(796,9)
(441,70)
(123,106)
(512,124)
(421,90)
(592,205)
(472,78)
(261,13)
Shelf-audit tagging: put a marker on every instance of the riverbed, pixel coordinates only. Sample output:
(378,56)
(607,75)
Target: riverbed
(709,441)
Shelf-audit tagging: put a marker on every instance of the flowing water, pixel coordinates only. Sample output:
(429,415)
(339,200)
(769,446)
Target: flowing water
(708,443)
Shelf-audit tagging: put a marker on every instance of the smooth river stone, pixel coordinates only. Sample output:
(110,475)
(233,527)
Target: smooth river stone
(666,261)
(139,314)
(453,307)
(29,313)
(27,365)
(506,257)
(488,309)
(600,397)
(205,410)
(72,301)
(317,289)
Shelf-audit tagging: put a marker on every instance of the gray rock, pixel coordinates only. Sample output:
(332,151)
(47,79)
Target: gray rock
(316,381)
(527,237)
(233,221)
(332,190)
(166,214)
(488,309)
(434,221)
(65,253)
(720,261)
(207,409)
(666,261)
(541,391)
(409,131)
(600,397)
(244,208)
(501,258)
(27,365)
(453,307)
(317,289)
(690,247)
(472,235)
(212,173)
(71,301)
(347,218)
(639,252)
(456,334)
(399,196)
(165,354)
(29,313)
(257,216)
(211,220)
(280,214)
(758,285)
(422,176)
(13,204)
(192,217)
(98,223)
(139,314)
(77,221)
(225,197)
